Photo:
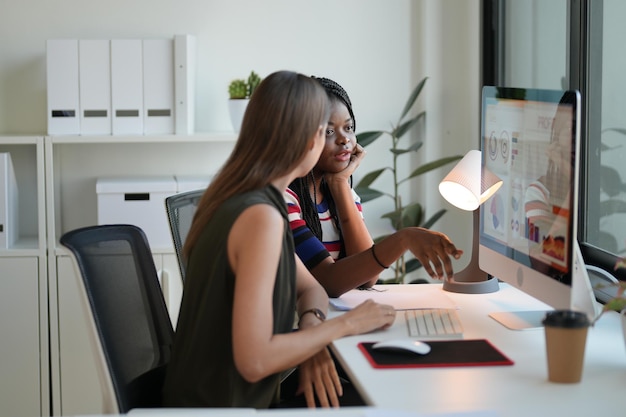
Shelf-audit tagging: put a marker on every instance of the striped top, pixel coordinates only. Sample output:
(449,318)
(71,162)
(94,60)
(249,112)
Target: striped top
(536,203)
(308,247)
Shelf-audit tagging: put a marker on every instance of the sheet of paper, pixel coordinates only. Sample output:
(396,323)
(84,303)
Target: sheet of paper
(428,298)
(394,413)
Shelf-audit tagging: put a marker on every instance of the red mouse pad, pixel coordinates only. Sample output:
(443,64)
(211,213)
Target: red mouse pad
(477,352)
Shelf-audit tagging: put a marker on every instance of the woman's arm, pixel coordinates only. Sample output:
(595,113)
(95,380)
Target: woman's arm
(254,247)
(432,249)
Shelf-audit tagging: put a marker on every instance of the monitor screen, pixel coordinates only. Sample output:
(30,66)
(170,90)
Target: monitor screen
(529,138)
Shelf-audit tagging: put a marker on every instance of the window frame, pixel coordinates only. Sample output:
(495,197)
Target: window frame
(584,60)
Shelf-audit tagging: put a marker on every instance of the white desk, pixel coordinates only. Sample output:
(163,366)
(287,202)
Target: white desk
(518,390)
(367,411)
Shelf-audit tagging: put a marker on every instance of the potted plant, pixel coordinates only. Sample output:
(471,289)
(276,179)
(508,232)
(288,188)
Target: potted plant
(239,91)
(618,302)
(402,215)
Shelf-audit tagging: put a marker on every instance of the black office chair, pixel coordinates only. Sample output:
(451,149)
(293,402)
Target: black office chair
(180,210)
(128,309)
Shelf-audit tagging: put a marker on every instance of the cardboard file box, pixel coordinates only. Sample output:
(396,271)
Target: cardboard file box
(138,201)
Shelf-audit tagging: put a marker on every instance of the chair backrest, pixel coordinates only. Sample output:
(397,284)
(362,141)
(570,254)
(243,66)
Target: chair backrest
(128,308)
(180,210)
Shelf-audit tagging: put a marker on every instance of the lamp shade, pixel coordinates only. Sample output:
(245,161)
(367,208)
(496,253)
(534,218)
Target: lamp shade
(468,185)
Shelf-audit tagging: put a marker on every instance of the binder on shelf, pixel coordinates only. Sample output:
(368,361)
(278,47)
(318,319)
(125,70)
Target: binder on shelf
(9,210)
(126,86)
(62,86)
(184,83)
(95,86)
(158,86)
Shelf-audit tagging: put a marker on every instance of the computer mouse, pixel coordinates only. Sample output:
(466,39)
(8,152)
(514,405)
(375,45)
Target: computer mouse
(406,345)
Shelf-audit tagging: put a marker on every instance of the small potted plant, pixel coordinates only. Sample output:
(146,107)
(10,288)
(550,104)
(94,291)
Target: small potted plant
(618,302)
(239,91)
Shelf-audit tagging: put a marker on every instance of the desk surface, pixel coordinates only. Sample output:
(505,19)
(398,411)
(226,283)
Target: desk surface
(518,390)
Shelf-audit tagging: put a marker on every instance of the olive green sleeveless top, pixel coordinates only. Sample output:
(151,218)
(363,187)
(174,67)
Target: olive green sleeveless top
(202,371)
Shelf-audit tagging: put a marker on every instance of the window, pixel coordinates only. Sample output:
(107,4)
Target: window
(573,44)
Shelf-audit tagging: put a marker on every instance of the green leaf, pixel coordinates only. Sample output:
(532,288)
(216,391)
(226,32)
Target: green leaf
(412,265)
(413,148)
(368,179)
(390,215)
(414,95)
(412,215)
(615,304)
(366,138)
(394,218)
(399,151)
(399,131)
(416,146)
(432,165)
(433,219)
(368,194)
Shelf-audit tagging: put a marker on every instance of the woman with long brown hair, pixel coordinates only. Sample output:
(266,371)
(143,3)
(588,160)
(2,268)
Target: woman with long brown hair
(244,282)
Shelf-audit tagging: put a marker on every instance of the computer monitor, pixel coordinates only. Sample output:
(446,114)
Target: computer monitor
(530,139)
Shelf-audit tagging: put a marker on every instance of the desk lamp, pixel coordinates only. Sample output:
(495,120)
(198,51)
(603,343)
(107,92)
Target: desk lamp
(467,186)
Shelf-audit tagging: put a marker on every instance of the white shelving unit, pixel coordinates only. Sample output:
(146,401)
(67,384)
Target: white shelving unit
(48,366)
(24,378)
(73,163)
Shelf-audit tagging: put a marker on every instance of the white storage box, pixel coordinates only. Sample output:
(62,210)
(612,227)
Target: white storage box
(138,201)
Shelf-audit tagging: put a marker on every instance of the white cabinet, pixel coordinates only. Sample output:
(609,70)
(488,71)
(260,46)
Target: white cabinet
(23,378)
(46,344)
(73,164)
(74,364)
(24,370)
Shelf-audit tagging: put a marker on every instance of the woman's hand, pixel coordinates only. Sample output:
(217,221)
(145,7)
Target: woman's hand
(355,160)
(433,250)
(319,378)
(369,316)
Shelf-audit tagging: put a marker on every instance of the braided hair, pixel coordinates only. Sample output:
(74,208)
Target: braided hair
(300,186)
(336,92)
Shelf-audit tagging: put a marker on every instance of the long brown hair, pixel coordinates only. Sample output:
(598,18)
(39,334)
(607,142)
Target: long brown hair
(284,112)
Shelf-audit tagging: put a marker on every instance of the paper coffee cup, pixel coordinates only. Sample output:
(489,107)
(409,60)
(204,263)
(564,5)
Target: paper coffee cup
(566,337)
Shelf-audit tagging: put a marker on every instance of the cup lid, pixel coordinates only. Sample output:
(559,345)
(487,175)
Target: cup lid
(566,318)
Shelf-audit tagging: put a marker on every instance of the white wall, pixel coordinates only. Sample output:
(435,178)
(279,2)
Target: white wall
(377,49)
(451,58)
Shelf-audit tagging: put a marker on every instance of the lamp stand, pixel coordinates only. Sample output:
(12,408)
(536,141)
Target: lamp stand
(472,280)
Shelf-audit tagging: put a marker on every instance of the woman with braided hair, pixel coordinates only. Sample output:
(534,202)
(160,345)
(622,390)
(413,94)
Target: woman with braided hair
(326,217)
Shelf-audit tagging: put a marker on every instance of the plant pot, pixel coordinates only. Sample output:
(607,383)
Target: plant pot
(236,109)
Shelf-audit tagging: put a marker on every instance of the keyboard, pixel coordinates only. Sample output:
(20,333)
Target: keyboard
(436,323)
